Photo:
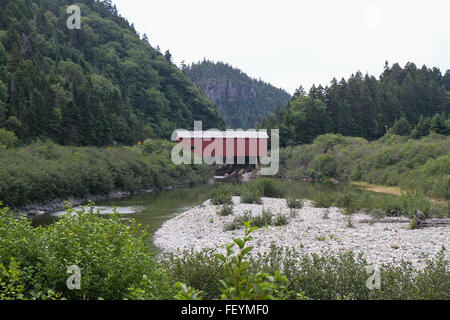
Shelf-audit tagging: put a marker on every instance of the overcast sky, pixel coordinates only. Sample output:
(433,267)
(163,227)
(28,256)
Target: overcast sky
(289,43)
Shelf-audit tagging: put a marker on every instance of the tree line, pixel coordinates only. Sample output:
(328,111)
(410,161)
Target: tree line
(407,100)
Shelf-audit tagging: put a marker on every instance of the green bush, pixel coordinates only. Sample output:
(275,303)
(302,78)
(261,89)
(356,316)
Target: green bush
(326,165)
(323,200)
(238,221)
(431,179)
(221,196)
(225,210)
(263,219)
(251,195)
(280,220)
(198,269)
(113,257)
(11,287)
(238,283)
(294,203)
(268,187)
(8,138)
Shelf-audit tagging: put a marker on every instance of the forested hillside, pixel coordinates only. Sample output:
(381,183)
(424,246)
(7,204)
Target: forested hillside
(364,106)
(93,85)
(240,99)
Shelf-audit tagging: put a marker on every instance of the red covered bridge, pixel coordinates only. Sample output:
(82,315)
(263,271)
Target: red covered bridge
(230,143)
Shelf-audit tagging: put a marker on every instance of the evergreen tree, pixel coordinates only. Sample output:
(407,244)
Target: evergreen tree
(422,128)
(438,124)
(401,127)
(446,80)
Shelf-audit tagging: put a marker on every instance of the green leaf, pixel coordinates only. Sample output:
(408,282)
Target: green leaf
(246,250)
(239,242)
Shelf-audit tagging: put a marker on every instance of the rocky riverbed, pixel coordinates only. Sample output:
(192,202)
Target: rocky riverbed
(309,230)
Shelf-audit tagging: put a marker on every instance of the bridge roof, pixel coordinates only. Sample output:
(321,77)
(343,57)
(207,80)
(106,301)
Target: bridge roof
(228,134)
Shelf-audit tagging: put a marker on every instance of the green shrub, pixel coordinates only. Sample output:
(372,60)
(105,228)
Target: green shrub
(280,220)
(238,283)
(198,269)
(221,196)
(8,138)
(231,226)
(112,256)
(267,187)
(326,165)
(265,218)
(238,221)
(323,200)
(294,203)
(11,282)
(225,210)
(293,213)
(251,196)
(370,202)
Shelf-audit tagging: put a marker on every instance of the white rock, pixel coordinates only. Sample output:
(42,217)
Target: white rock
(194,229)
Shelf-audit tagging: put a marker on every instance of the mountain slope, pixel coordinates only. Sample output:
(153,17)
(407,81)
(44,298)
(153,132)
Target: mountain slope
(240,99)
(89,86)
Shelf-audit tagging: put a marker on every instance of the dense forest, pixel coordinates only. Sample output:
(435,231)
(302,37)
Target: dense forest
(240,99)
(93,85)
(407,101)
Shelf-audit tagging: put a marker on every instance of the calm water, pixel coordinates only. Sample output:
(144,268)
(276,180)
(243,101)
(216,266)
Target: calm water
(153,209)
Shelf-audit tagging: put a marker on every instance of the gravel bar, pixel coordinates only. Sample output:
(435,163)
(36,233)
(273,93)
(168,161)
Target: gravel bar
(309,230)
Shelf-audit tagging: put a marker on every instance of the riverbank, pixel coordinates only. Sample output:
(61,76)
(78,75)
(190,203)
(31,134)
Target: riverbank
(43,175)
(308,230)
(34,209)
(418,165)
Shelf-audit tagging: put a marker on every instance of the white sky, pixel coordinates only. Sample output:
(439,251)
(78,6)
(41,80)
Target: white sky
(291,43)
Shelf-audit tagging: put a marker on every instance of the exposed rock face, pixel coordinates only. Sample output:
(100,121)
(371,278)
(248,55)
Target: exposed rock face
(225,90)
(240,99)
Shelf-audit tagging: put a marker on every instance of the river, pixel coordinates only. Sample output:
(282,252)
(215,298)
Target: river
(153,209)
